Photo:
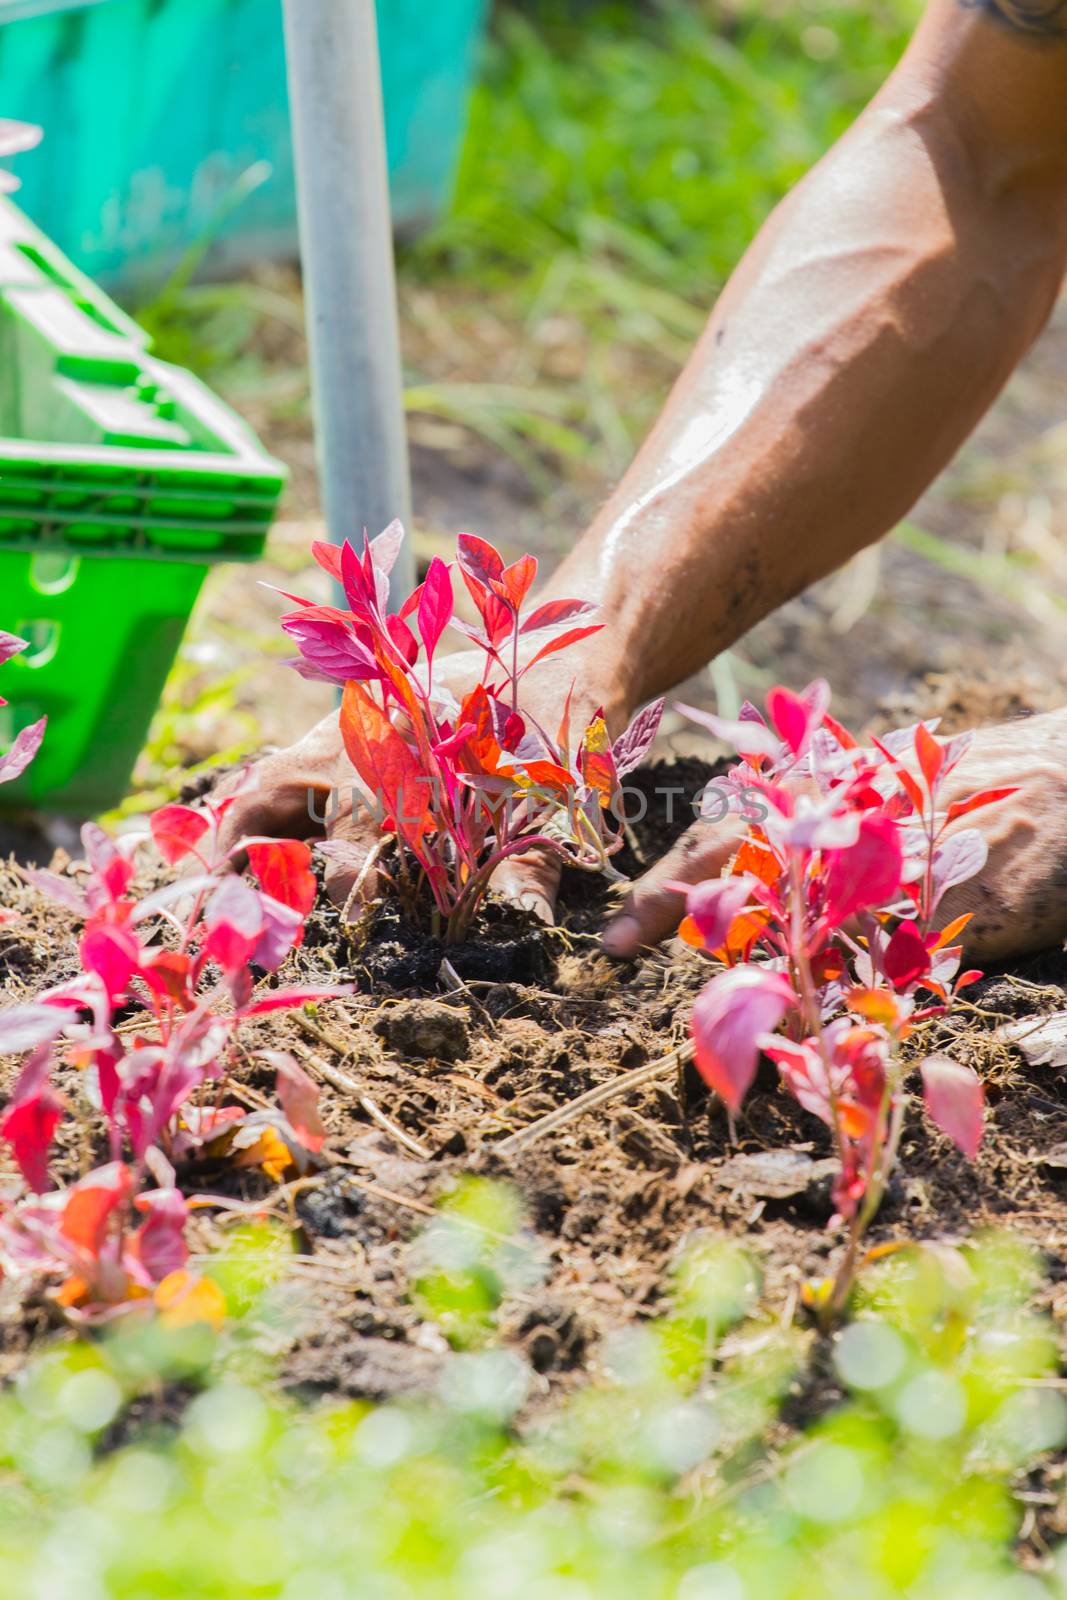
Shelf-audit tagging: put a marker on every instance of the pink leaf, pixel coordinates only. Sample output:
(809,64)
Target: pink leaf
(63,890)
(957,860)
(728,1017)
(25,1027)
(386,546)
(283,930)
(177,830)
(791,717)
(113,954)
(714,905)
(26,745)
(748,737)
(330,648)
(954,1098)
(299,1098)
(435,606)
(866,873)
(234,920)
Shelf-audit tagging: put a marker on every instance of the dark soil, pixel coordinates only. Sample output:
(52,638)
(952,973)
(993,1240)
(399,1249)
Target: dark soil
(527,1019)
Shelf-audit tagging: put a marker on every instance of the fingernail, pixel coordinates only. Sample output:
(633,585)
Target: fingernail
(621,937)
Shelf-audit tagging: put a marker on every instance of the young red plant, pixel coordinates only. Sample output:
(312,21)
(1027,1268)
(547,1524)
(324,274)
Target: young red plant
(826,923)
(461,784)
(177,964)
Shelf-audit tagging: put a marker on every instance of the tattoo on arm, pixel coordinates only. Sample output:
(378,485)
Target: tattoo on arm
(1037,19)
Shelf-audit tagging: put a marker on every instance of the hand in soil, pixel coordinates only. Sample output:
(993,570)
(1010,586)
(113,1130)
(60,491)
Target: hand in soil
(1019,899)
(304,791)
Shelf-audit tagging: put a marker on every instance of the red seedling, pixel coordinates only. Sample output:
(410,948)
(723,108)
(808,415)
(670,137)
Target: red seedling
(461,785)
(827,920)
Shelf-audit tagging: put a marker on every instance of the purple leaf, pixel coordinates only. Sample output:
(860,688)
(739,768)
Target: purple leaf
(26,745)
(385,548)
(330,649)
(10,643)
(957,860)
(631,748)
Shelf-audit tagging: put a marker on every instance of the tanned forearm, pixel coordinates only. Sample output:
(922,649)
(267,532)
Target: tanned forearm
(867,330)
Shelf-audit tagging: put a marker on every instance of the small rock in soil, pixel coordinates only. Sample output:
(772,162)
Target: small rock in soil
(773,1174)
(1043,1043)
(424,1029)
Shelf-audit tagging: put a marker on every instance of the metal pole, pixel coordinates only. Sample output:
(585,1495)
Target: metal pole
(346,246)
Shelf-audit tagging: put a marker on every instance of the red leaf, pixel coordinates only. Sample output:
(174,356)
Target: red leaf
(28,1126)
(954,1098)
(556,611)
(298,995)
(435,605)
(984,797)
(328,557)
(234,920)
(91,1203)
(283,867)
(561,643)
(791,717)
(390,770)
(729,1015)
(514,582)
(929,754)
(866,873)
(299,1098)
(479,559)
(403,638)
(177,830)
(906,958)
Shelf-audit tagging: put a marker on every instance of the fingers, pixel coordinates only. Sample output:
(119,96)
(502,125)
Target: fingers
(530,880)
(651,910)
(283,795)
(352,845)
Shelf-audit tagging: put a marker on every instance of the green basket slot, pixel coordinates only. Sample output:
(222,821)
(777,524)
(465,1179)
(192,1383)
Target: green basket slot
(122,480)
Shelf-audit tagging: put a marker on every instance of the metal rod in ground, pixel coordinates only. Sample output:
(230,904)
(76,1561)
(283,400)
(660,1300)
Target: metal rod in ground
(346,247)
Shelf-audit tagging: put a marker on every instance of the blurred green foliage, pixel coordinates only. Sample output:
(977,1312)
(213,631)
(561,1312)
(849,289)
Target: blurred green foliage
(159,1463)
(652,138)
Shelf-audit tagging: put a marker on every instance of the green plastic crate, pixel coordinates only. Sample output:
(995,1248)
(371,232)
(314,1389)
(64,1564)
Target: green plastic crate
(152,109)
(122,480)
